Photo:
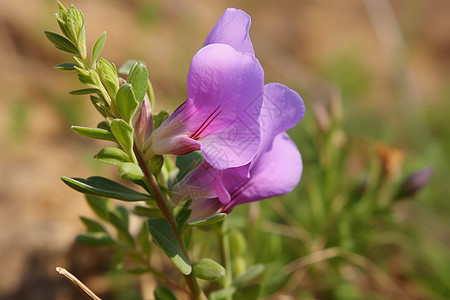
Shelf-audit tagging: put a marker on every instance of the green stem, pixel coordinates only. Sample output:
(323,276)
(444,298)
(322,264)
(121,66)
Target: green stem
(167,213)
(225,255)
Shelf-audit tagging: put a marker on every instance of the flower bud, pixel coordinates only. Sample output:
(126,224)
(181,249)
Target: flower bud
(74,25)
(415,182)
(142,122)
(108,75)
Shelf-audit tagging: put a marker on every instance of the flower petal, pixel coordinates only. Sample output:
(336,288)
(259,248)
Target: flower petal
(276,172)
(223,86)
(282,109)
(232,29)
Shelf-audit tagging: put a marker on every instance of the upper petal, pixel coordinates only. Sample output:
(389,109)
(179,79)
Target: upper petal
(226,87)
(223,87)
(232,29)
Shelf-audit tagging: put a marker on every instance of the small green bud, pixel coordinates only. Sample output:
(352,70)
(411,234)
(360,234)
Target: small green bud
(74,24)
(108,76)
(208,269)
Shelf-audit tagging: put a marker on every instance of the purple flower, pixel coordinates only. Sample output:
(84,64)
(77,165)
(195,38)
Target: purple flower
(275,170)
(220,117)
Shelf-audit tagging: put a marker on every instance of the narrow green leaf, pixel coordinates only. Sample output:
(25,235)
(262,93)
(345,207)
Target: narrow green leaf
(156,164)
(187,163)
(99,104)
(184,214)
(130,171)
(163,293)
(104,125)
(120,221)
(138,79)
(249,275)
(126,102)
(95,133)
(148,212)
(208,221)
(208,269)
(143,239)
(165,238)
(95,239)
(124,135)
(126,67)
(99,205)
(112,156)
(61,42)
(65,66)
(92,226)
(138,271)
(98,47)
(222,294)
(85,91)
(250,292)
(101,186)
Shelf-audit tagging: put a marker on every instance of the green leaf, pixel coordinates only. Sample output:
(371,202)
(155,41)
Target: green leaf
(156,164)
(95,133)
(208,221)
(163,293)
(92,226)
(101,186)
(112,156)
(124,135)
(65,67)
(222,294)
(130,171)
(104,125)
(61,42)
(249,275)
(148,212)
(126,67)
(159,118)
(126,102)
(98,47)
(85,91)
(99,205)
(184,214)
(119,218)
(95,239)
(208,269)
(99,104)
(250,292)
(138,79)
(187,163)
(165,238)
(108,75)
(144,240)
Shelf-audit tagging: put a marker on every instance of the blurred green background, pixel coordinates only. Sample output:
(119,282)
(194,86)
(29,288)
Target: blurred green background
(374,74)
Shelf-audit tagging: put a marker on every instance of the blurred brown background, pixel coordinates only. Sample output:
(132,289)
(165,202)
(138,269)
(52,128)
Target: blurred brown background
(302,43)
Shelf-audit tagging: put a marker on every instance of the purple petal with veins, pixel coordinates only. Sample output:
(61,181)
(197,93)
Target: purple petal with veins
(223,85)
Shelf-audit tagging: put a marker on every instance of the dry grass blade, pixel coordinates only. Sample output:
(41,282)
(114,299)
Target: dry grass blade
(76,282)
